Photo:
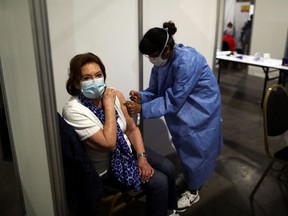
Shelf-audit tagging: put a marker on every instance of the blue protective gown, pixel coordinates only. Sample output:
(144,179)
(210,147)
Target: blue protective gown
(187,94)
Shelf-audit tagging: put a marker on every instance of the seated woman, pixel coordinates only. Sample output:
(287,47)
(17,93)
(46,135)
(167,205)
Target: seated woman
(113,141)
(228,38)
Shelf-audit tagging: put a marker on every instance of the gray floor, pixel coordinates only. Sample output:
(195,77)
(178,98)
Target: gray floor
(238,167)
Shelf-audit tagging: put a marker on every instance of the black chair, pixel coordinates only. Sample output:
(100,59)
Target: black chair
(225,46)
(275,120)
(83,184)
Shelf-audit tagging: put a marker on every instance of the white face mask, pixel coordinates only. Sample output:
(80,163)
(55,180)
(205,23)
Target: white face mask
(158,61)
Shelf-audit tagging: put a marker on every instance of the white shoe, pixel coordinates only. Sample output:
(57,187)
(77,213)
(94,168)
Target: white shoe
(173,213)
(187,199)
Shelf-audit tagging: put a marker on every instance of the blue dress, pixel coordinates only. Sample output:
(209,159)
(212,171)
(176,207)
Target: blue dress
(187,94)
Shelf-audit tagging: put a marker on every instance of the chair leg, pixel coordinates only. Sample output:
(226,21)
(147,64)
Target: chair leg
(111,199)
(113,203)
(261,179)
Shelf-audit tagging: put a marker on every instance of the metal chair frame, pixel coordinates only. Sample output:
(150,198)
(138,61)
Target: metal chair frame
(275,121)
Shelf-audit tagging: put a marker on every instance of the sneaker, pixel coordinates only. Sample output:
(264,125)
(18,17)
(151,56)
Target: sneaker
(173,213)
(186,200)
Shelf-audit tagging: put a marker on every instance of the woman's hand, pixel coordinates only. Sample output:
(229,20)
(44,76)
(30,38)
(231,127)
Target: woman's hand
(135,96)
(145,170)
(133,107)
(109,97)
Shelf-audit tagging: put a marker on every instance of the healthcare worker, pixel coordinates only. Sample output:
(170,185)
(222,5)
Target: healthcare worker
(184,90)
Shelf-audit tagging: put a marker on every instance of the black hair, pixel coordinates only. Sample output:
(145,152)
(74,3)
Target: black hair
(230,25)
(155,38)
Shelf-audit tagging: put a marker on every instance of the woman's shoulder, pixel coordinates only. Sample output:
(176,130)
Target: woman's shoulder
(72,103)
(119,96)
(73,106)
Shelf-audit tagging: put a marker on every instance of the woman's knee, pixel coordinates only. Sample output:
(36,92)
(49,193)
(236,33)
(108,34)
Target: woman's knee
(164,165)
(157,183)
(168,168)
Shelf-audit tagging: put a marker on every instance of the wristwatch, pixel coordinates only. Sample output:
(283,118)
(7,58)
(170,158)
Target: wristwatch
(142,154)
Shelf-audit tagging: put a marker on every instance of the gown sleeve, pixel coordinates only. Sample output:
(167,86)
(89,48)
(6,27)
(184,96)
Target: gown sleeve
(186,73)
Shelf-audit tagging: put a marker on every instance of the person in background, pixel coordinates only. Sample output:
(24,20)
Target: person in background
(229,28)
(184,90)
(113,141)
(228,38)
(246,34)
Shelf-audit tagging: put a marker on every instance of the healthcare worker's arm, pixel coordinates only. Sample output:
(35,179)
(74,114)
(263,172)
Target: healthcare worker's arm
(186,73)
(137,98)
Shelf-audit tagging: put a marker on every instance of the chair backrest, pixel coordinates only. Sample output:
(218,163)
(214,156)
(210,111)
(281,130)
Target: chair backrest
(225,46)
(275,113)
(83,184)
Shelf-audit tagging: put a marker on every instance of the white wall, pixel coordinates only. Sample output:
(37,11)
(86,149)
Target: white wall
(24,108)
(270,26)
(229,12)
(221,24)
(195,22)
(106,28)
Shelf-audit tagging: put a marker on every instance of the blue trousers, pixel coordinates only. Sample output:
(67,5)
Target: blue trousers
(160,189)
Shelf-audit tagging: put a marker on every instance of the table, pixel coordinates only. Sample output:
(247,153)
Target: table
(265,64)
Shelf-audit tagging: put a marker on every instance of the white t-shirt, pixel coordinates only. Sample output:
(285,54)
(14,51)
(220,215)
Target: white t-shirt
(85,123)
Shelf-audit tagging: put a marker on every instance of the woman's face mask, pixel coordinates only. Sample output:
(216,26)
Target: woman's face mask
(94,88)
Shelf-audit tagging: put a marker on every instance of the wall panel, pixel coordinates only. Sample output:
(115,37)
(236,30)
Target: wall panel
(107,28)
(24,115)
